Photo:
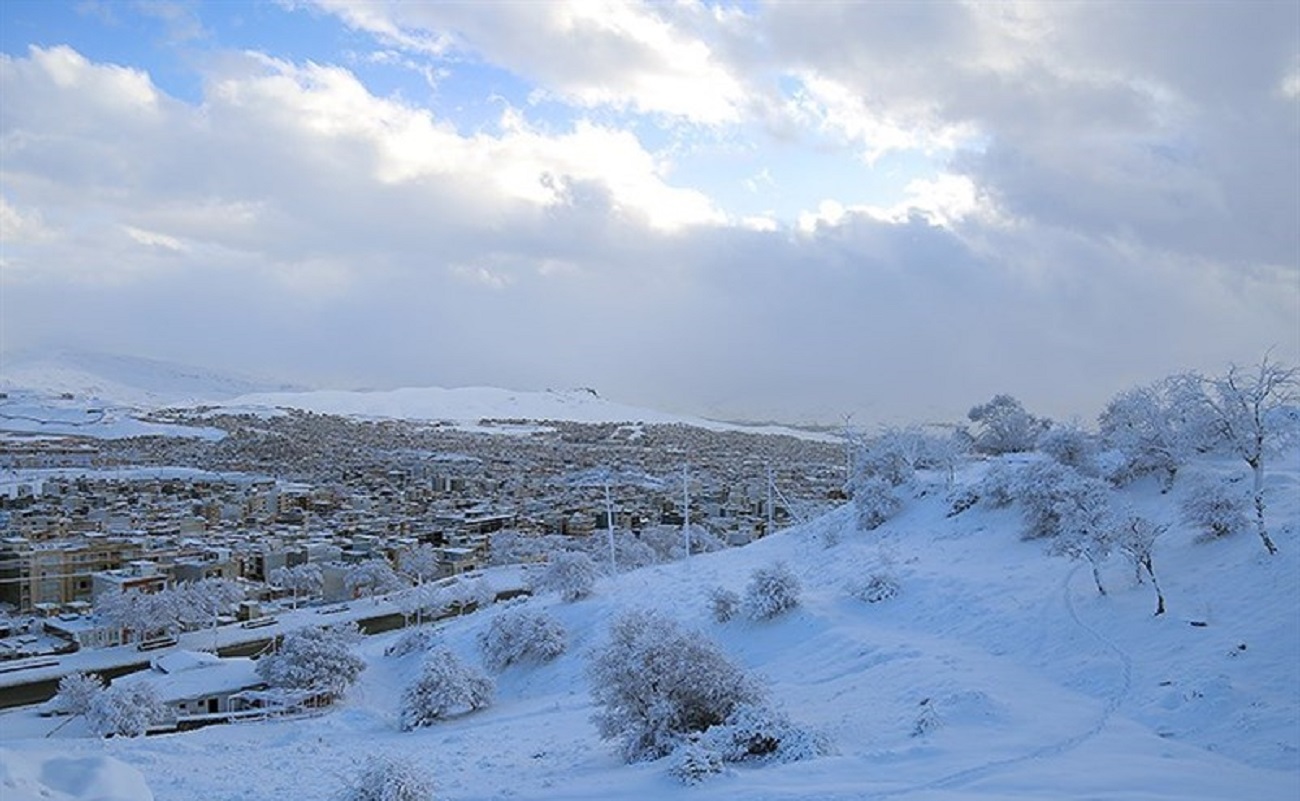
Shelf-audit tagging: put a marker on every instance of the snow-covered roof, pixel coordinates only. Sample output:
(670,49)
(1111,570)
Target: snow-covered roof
(196,675)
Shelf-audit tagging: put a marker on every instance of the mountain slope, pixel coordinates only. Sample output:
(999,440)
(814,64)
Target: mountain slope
(997,673)
(124,380)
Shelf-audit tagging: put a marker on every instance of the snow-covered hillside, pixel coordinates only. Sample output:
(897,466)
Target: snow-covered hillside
(471,404)
(120,380)
(997,672)
(106,388)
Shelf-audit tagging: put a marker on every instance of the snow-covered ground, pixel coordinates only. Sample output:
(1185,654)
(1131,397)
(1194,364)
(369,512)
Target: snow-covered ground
(1034,685)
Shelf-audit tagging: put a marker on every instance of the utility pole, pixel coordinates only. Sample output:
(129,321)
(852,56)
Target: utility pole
(609,527)
(686,508)
(771,510)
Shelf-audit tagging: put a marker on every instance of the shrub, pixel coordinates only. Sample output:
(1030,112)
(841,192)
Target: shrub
(752,733)
(446,686)
(771,591)
(694,762)
(724,604)
(655,684)
(878,587)
(416,640)
(521,635)
(875,502)
(385,778)
(1216,508)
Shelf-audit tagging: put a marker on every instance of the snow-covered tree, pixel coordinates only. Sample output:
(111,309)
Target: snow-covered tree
(77,691)
(892,456)
(1155,428)
(387,778)
(875,502)
(1252,412)
(771,591)
(656,683)
(1045,491)
(125,710)
(1217,508)
(1137,539)
(1070,445)
(570,573)
(373,577)
(1085,526)
(1005,426)
(305,579)
(668,542)
(318,659)
(141,614)
(203,602)
(446,686)
(420,564)
(521,635)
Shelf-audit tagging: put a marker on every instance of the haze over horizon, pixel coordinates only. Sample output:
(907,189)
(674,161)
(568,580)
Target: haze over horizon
(735,210)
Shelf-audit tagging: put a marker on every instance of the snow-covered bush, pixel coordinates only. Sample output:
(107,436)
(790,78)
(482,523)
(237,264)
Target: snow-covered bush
(758,732)
(1046,491)
(385,778)
(771,590)
(416,640)
(446,686)
(877,587)
(998,487)
(656,683)
(1216,508)
(125,710)
(752,733)
(927,718)
(570,573)
(319,659)
(723,604)
(521,635)
(875,502)
(77,691)
(693,762)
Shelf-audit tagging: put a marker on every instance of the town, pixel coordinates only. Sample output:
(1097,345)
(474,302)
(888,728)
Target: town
(84,521)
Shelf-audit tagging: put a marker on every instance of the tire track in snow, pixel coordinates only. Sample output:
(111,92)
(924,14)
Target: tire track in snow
(1054,749)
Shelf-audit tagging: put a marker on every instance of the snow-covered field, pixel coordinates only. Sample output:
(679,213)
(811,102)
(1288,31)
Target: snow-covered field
(1030,683)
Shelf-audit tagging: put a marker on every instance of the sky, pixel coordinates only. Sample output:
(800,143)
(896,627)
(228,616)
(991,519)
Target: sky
(797,211)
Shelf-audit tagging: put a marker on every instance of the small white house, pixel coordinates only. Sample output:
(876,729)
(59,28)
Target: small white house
(193,683)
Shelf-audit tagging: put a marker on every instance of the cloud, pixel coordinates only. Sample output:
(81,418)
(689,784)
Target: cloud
(1103,215)
(618,54)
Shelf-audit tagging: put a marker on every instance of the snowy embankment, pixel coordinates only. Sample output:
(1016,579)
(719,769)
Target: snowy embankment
(996,672)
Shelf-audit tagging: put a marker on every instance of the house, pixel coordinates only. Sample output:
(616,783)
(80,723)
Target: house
(194,683)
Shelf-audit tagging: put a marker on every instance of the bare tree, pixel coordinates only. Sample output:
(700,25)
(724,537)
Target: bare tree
(1137,539)
(1251,411)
